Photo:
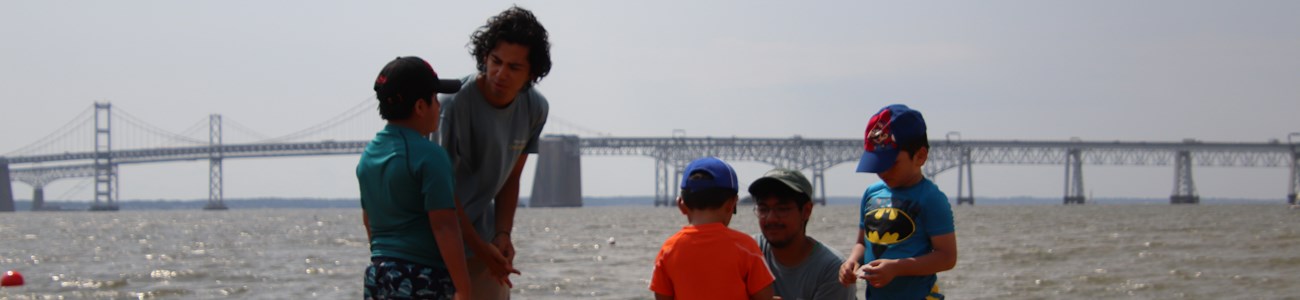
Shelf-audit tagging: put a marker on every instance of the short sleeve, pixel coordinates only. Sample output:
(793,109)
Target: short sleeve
(866,196)
(537,119)
(660,283)
(759,276)
(437,182)
(862,210)
(937,214)
(450,131)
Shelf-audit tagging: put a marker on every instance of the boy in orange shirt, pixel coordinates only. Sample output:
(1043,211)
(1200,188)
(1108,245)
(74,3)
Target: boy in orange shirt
(707,260)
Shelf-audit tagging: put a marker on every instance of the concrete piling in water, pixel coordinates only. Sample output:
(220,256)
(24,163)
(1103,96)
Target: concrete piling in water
(6,187)
(558,179)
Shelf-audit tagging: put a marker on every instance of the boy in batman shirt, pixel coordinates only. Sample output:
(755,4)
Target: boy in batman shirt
(906,232)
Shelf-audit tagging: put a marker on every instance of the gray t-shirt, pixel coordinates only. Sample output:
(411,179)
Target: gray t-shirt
(485,142)
(817,277)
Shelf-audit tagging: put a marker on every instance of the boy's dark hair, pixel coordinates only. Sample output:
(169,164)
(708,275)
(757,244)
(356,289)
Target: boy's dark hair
(403,81)
(706,198)
(517,26)
(911,146)
(399,107)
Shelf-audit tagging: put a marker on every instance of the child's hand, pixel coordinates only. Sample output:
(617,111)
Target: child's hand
(846,272)
(880,272)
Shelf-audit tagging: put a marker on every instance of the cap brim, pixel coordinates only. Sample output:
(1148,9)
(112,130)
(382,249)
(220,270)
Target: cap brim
(876,162)
(448,86)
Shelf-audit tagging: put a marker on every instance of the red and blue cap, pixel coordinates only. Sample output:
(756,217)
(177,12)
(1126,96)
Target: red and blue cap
(888,128)
(723,175)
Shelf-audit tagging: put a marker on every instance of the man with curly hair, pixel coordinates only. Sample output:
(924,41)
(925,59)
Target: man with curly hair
(488,129)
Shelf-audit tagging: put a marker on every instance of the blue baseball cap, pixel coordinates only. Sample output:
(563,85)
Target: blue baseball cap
(723,175)
(888,127)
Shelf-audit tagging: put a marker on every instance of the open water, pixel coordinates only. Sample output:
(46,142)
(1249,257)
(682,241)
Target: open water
(1006,252)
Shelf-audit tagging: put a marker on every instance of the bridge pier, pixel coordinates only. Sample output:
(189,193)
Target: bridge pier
(965,178)
(1295,177)
(668,174)
(819,182)
(558,179)
(660,191)
(1074,177)
(6,187)
(1184,188)
(38,198)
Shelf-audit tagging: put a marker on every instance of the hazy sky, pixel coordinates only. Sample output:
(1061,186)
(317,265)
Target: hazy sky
(1031,70)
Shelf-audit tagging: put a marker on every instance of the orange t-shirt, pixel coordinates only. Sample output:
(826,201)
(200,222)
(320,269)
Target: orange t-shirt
(709,261)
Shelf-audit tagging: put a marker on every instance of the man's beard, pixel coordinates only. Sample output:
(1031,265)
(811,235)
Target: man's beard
(780,244)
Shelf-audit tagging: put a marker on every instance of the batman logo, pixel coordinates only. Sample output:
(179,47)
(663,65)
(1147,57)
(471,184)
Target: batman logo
(888,226)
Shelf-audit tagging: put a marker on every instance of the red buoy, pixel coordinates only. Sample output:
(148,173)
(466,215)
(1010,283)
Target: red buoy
(12,278)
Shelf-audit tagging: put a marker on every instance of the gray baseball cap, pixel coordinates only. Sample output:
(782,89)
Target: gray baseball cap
(781,177)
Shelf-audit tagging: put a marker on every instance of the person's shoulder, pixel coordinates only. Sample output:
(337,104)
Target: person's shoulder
(467,90)
(671,243)
(424,148)
(877,187)
(931,191)
(537,101)
(741,237)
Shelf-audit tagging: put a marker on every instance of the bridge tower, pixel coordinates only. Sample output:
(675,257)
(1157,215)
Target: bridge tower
(6,187)
(819,183)
(1184,188)
(215,178)
(1074,177)
(1295,177)
(965,178)
(668,173)
(558,179)
(105,170)
(661,181)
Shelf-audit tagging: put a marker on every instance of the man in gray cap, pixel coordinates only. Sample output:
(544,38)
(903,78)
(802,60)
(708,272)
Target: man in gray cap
(803,267)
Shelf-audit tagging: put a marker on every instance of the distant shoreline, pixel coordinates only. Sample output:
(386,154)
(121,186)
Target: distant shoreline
(352,203)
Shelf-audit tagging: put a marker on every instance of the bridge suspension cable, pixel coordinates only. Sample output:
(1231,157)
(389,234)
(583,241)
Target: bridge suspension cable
(197,130)
(557,125)
(242,134)
(63,139)
(149,136)
(321,130)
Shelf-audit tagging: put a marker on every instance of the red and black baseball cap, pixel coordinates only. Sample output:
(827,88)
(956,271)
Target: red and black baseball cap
(411,77)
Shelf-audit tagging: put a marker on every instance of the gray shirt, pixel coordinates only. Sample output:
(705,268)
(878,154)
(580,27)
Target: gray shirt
(485,142)
(817,277)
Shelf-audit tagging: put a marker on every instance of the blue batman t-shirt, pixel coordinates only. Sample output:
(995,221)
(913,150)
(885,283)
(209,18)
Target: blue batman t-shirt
(898,224)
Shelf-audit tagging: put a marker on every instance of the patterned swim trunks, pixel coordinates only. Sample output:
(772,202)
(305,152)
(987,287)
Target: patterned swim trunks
(391,278)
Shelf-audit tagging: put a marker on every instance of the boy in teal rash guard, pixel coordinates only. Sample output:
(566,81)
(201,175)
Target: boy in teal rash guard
(406,192)
(905,221)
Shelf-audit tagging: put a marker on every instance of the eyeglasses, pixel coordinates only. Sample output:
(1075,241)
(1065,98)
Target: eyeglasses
(777,211)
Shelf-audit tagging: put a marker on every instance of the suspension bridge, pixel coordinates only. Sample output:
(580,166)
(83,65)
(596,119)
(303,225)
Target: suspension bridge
(100,139)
